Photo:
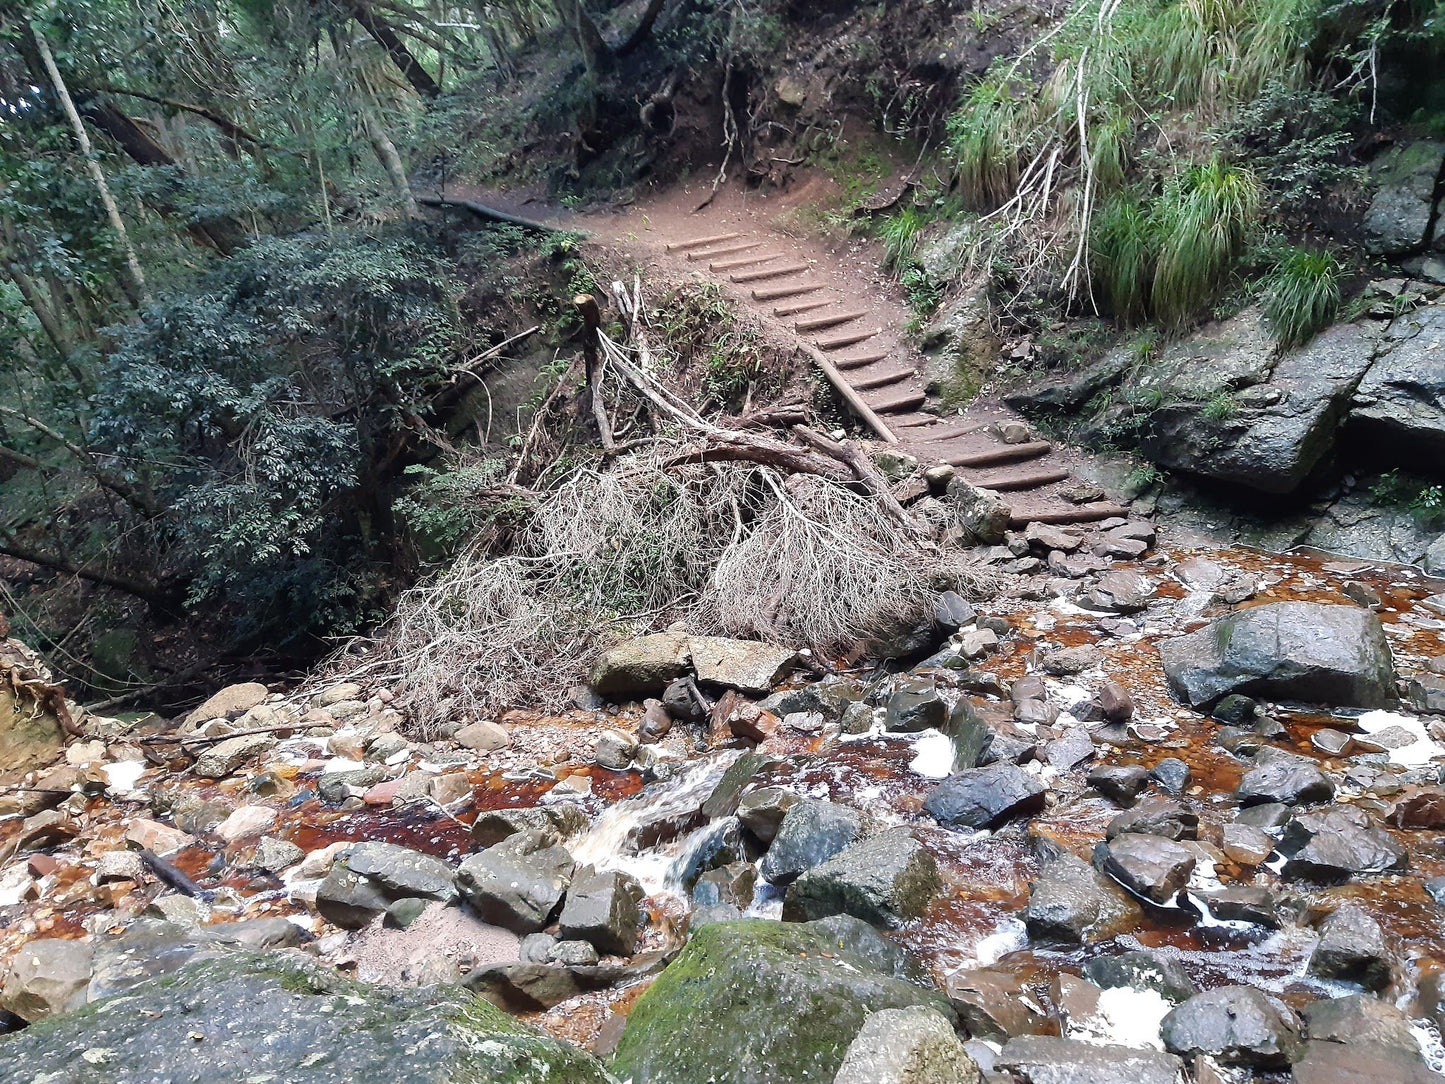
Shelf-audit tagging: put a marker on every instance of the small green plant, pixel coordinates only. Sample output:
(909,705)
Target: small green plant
(1144,477)
(1221,408)
(1425,502)
(900,234)
(924,292)
(1302,296)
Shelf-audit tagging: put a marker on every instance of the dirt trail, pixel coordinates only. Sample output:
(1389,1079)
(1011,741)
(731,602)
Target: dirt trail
(832,299)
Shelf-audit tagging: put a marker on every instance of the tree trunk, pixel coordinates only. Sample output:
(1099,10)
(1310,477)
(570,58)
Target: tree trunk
(49,322)
(595,53)
(390,160)
(644,28)
(156,595)
(112,212)
(386,37)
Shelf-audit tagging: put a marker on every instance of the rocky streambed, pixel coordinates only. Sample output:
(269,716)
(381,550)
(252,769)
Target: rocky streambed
(1158,811)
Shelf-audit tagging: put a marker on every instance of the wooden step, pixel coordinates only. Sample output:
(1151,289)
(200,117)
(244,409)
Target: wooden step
(861,360)
(1004,453)
(1067,513)
(948,432)
(848,338)
(743,261)
(827,320)
(1012,482)
(699,242)
(769,273)
(915,421)
(792,308)
(777,293)
(880,380)
(727,250)
(900,400)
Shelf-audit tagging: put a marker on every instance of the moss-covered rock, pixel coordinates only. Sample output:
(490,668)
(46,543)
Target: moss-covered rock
(757,1002)
(248,1016)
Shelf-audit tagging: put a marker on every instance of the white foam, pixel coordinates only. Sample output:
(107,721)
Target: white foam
(121,775)
(1010,937)
(1419,752)
(932,755)
(1125,1017)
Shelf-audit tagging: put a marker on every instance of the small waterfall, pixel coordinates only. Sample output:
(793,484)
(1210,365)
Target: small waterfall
(650,833)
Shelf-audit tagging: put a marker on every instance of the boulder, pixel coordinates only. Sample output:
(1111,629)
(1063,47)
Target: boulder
(643,666)
(1352,948)
(220,760)
(1172,774)
(762,811)
(1152,867)
(348,899)
(1400,404)
(1072,903)
(1237,1025)
(748,666)
(401,872)
(811,832)
(980,514)
(915,704)
(757,1002)
(604,909)
(907,1046)
(483,736)
(1284,778)
(518,883)
(1310,651)
(245,822)
(1120,783)
(994,1005)
(1243,903)
(46,976)
(1360,1018)
(1121,592)
(232,1017)
(614,750)
(494,825)
(1361,1063)
(985,797)
(1156,817)
(1333,845)
(1143,969)
(231,701)
(884,880)
(1048,1059)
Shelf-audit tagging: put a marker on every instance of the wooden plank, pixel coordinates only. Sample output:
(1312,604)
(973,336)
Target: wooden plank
(1004,453)
(777,293)
(904,400)
(827,320)
(728,250)
(848,338)
(1078,513)
(699,242)
(792,308)
(948,432)
(856,401)
(880,380)
(1009,483)
(769,273)
(743,261)
(862,359)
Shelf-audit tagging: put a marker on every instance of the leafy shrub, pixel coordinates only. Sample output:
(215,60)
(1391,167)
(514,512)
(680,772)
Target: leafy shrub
(1302,296)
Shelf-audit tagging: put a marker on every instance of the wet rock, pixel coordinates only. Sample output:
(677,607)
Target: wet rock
(951,611)
(976,643)
(614,750)
(483,736)
(526,987)
(336,786)
(907,1046)
(762,811)
(1235,709)
(494,825)
(994,1004)
(1115,702)
(1243,903)
(1310,651)
(1158,817)
(1069,750)
(1332,743)
(1361,1063)
(1065,661)
(1359,1018)
(1043,537)
(1172,774)
(1399,216)
(656,721)
(811,832)
(231,701)
(682,699)
(884,880)
(642,666)
(1035,712)
(980,514)
(756,1002)
(518,883)
(857,718)
(158,838)
(605,910)
(1120,783)
(914,705)
(402,872)
(1245,844)
(985,797)
(1331,846)
(573,954)
(1352,948)
(1048,1059)
(348,899)
(246,821)
(1143,970)
(1426,692)
(1070,902)
(1121,592)
(233,1016)
(732,884)
(46,976)
(1420,807)
(723,801)
(223,758)
(1237,1025)
(748,666)
(1268,815)
(1152,867)
(1284,778)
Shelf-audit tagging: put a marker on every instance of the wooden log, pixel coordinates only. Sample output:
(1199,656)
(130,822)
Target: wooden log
(898,401)
(712,254)
(699,242)
(481,210)
(947,432)
(743,261)
(776,293)
(769,273)
(848,338)
(851,397)
(591,314)
(1004,453)
(1012,483)
(792,308)
(862,359)
(827,320)
(1079,513)
(880,380)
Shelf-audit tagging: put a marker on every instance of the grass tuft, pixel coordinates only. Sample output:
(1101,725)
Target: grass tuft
(1302,296)
(986,136)
(1203,218)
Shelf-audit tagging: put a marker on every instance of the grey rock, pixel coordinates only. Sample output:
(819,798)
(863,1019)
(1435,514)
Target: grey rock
(1069,750)
(1284,778)
(401,872)
(494,825)
(1399,215)
(811,832)
(1064,661)
(1361,1063)
(1048,1059)
(1359,1018)
(1143,969)
(604,909)
(518,883)
(915,1045)
(643,666)
(573,954)
(46,976)
(985,797)
(1400,404)
(748,666)
(1331,846)
(1238,1025)
(914,704)
(1120,783)
(981,514)
(1172,774)
(1121,592)
(1152,867)
(1243,903)
(1156,817)
(727,885)
(1311,651)
(1072,903)
(762,811)
(348,899)
(951,611)
(223,758)
(725,796)
(614,750)
(1352,948)
(884,880)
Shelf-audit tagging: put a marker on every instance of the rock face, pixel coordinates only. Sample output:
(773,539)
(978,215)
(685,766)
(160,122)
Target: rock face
(1236,1024)
(47,976)
(884,880)
(1047,1059)
(1400,404)
(1310,651)
(907,1046)
(209,1020)
(1399,216)
(985,797)
(757,1002)
(641,667)
(518,883)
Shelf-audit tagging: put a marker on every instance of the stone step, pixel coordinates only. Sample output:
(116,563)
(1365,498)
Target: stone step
(792,289)
(769,273)
(847,338)
(1004,453)
(727,250)
(827,320)
(880,380)
(699,242)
